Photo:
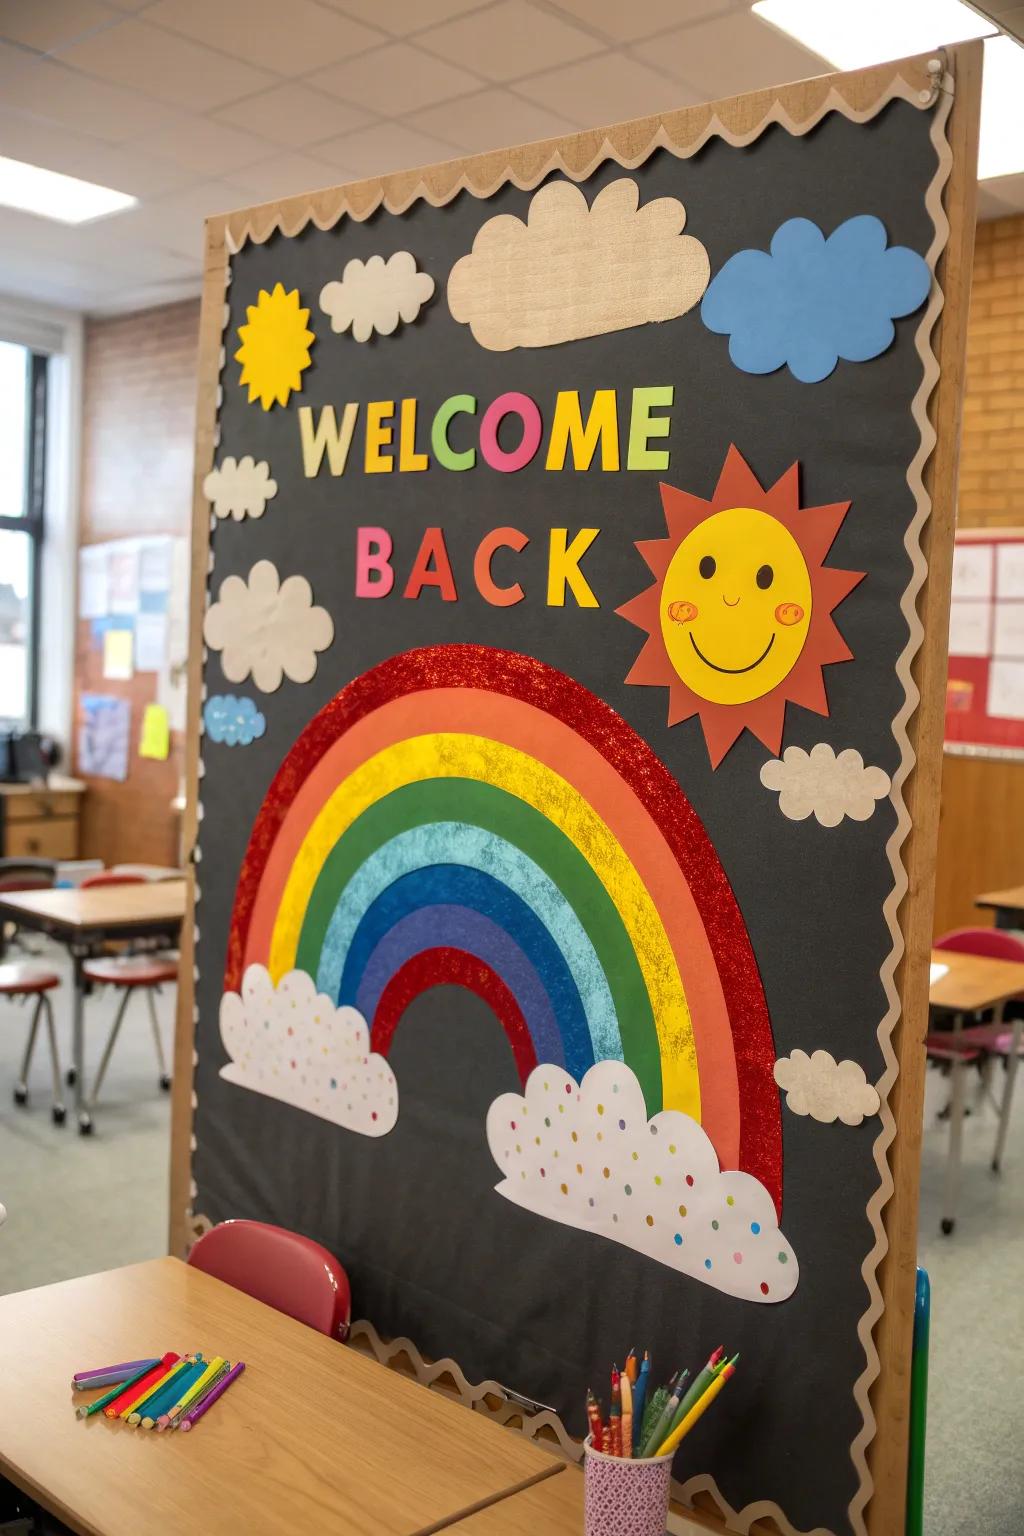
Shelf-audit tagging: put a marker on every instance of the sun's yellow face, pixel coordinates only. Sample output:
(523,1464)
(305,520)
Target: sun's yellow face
(739,619)
(275,347)
(736,606)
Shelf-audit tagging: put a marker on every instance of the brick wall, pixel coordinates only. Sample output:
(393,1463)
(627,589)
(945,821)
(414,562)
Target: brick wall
(138,421)
(992,456)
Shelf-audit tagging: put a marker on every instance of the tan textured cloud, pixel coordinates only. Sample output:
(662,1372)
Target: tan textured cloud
(572,271)
(826,1089)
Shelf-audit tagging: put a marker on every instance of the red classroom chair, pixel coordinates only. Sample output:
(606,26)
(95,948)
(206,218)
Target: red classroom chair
(23,981)
(289,1272)
(128,974)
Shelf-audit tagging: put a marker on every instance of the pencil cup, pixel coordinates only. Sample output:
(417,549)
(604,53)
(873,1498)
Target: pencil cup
(623,1497)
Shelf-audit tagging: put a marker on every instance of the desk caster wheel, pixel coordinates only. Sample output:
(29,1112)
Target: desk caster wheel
(996,1168)
(71,1077)
(59,1114)
(21,1094)
(165,1083)
(948,1224)
(84,1125)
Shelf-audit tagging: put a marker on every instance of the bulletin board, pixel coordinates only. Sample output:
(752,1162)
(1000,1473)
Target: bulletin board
(985,690)
(572,547)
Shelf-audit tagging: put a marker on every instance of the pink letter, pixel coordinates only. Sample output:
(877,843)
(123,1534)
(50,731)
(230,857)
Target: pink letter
(512,404)
(373,559)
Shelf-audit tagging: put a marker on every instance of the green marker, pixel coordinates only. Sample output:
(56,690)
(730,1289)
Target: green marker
(715,1365)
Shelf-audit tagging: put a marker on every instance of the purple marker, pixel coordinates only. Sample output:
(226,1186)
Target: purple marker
(110,1375)
(195,1414)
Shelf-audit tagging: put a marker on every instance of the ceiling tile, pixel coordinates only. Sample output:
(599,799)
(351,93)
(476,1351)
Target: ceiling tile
(48,25)
(640,18)
(171,68)
(130,170)
(293,114)
(286,176)
(490,120)
(1002,195)
(400,17)
(204,147)
(47,144)
(398,77)
(287,38)
(383,148)
(176,223)
(730,55)
(606,90)
(51,90)
(509,40)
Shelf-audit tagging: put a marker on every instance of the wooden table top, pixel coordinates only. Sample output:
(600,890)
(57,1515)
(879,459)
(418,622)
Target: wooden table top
(1012,897)
(311,1437)
(972,982)
(105,906)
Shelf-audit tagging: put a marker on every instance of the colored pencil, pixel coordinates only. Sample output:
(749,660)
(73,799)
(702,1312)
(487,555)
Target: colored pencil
(205,1378)
(196,1413)
(639,1400)
(631,1369)
(615,1415)
(123,1390)
(701,1383)
(682,1429)
(179,1384)
(627,1416)
(594,1420)
(107,1375)
(652,1413)
(668,1413)
(136,1398)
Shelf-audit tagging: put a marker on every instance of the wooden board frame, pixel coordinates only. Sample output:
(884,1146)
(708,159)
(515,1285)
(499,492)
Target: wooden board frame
(881,1448)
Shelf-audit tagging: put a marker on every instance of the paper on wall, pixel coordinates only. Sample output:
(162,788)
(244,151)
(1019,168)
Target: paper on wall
(123,577)
(92,582)
(117,655)
(150,642)
(172,679)
(970,628)
(1006,689)
(155,741)
(1009,632)
(155,565)
(1010,570)
(972,570)
(103,736)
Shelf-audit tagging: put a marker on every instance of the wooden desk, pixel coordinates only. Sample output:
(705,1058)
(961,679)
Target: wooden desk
(84,921)
(970,984)
(312,1437)
(40,821)
(1008,906)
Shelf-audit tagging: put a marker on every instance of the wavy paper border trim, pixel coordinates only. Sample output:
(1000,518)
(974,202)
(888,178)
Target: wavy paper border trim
(797,108)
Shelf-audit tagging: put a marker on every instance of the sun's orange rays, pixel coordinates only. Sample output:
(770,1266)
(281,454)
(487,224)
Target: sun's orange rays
(814,530)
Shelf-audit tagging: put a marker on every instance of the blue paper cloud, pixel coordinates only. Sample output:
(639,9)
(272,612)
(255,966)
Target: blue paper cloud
(812,301)
(235,722)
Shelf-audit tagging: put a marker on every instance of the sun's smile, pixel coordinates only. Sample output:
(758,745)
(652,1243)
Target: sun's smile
(739,618)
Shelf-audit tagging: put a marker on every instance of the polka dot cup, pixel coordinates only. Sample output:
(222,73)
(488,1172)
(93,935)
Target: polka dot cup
(624,1497)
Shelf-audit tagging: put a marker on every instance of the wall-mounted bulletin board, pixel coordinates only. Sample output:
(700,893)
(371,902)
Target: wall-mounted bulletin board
(985,691)
(572,549)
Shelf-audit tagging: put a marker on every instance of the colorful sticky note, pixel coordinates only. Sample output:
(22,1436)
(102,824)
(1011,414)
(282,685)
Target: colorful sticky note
(118,646)
(156,733)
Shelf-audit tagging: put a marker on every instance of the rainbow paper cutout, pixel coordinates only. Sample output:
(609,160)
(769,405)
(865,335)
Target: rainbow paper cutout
(471,815)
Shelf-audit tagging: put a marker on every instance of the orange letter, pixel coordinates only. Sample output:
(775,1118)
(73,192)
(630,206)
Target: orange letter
(438,574)
(498,538)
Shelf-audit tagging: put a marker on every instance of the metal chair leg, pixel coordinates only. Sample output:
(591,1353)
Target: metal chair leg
(108,1048)
(57,1110)
(1007,1100)
(165,1081)
(21,1087)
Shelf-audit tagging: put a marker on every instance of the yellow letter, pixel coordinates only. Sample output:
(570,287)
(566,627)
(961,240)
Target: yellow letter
(379,434)
(602,426)
(563,568)
(408,458)
(642,427)
(325,438)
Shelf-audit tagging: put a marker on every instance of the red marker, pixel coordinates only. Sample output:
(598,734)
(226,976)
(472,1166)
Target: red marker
(594,1420)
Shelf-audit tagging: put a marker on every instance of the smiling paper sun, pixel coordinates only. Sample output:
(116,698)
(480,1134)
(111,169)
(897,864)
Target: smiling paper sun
(275,346)
(739,618)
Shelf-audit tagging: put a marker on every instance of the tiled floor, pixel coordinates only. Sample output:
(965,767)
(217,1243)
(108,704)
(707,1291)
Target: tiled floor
(77,1205)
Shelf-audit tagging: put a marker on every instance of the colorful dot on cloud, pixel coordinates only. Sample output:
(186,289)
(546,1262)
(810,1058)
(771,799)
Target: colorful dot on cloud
(689,1179)
(600,1109)
(707,1263)
(714,1226)
(729,1200)
(755,1227)
(649,1220)
(764,1288)
(628,1189)
(737,1258)
(682,1210)
(622,1125)
(783,1258)
(564,1188)
(678,1239)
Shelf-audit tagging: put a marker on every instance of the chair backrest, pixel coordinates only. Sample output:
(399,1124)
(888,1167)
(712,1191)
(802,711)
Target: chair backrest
(289,1272)
(993,943)
(25,882)
(109,877)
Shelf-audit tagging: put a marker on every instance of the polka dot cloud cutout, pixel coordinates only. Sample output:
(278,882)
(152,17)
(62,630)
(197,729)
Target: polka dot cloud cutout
(587,1155)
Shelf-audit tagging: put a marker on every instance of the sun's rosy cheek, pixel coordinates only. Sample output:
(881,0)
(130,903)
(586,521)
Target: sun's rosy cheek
(682,612)
(789,613)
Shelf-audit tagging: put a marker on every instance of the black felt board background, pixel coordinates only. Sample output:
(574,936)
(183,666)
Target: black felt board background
(431,1250)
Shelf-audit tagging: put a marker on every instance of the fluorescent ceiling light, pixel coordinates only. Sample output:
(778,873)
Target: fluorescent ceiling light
(855,33)
(1001,151)
(54,196)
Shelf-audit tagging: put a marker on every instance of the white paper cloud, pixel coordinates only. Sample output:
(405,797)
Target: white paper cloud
(267,627)
(291,1043)
(375,295)
(826,1089)
(240,489)
(588,1156)
(824,784)
(572,270)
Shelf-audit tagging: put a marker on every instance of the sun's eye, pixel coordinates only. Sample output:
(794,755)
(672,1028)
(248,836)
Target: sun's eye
(707,567)
(765,577)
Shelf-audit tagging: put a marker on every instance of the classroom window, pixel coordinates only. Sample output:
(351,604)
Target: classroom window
(23,376)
